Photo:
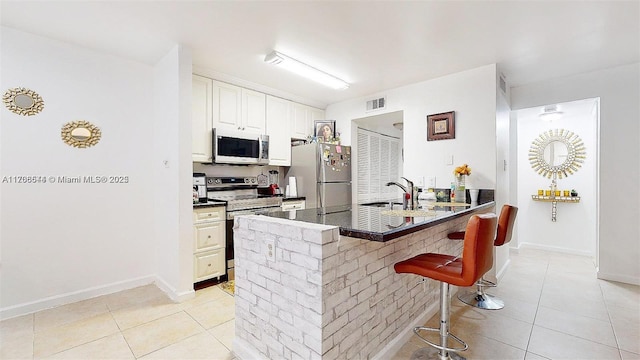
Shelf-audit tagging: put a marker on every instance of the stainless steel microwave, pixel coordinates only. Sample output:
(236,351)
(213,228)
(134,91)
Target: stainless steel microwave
(240,147)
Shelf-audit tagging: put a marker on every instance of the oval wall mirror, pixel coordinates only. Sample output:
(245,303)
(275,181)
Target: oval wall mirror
(23,101)
(557,152)
(80,134)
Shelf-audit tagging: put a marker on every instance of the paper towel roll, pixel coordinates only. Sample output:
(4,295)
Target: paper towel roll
(293,187)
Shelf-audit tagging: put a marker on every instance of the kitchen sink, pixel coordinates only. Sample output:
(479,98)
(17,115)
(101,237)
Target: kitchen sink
(381,204)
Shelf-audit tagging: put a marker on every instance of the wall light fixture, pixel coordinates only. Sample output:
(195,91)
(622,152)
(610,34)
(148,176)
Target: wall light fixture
(305,70)
(551,113)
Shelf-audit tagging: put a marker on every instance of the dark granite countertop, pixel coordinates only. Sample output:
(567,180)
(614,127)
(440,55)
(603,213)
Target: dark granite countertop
(370,222)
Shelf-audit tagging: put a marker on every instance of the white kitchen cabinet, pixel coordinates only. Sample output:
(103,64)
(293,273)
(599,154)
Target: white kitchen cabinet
(297,204)
(302,118)
(208,243)
(201,119)
(209,264)
(254,111)
(278,129)
(238,109)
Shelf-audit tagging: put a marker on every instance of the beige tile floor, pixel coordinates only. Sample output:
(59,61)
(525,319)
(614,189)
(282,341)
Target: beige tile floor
(140,323)
(555,309)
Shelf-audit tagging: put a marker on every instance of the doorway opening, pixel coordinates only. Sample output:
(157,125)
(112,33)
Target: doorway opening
(575,229)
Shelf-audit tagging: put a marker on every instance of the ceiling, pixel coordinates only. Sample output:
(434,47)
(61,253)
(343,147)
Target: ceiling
(375,46)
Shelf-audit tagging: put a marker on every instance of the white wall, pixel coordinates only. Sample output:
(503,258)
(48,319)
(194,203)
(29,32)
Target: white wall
(618,196)
(504,161)
(172,169)
(471,94)
(60,240)
(575,230)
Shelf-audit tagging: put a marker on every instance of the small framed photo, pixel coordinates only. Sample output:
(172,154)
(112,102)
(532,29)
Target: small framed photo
(441,126)
(324,130)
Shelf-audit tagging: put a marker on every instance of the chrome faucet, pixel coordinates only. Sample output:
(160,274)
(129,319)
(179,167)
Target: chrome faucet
(413,192)
(409,189)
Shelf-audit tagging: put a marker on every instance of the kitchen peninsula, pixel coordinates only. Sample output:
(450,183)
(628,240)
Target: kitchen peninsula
(305,290)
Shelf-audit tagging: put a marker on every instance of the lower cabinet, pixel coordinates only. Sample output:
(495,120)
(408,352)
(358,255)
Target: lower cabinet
(208,243)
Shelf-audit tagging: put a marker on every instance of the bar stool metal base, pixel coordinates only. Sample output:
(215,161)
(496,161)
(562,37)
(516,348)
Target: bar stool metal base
(481,300)
(430,353)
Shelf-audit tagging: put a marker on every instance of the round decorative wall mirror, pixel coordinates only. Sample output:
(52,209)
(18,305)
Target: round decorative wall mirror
(23,101)
(80,134)
(557,152)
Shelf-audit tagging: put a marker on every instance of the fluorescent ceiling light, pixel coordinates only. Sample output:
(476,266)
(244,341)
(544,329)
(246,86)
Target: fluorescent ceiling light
(305,70)
(551,113)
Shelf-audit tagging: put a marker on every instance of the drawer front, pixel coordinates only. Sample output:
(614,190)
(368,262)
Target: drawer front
(208,214)
(293,205)
(209,235)
(209,264)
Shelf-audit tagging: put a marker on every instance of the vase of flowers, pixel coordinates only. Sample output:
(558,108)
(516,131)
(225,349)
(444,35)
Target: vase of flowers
(461,173)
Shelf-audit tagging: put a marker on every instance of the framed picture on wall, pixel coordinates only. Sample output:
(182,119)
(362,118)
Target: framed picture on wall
(324,130)
(441,126)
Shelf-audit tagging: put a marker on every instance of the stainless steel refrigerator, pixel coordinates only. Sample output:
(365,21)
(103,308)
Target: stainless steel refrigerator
(323,175)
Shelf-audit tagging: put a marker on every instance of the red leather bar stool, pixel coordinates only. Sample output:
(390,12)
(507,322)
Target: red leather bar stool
(477,259)
(479,298)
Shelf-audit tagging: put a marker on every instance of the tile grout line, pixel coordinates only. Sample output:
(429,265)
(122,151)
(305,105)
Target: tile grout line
(615,333)
(533,324)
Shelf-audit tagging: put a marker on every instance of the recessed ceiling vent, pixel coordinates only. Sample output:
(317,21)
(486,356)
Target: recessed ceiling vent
(376,104)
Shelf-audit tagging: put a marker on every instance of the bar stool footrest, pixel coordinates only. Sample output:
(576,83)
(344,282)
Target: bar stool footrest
(485,283)
(417,329)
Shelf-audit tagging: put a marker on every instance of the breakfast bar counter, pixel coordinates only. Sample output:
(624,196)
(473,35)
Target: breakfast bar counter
(379,223)
(323,286)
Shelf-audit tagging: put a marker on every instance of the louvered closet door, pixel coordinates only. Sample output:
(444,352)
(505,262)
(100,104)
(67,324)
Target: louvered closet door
(378,163)
(363,166)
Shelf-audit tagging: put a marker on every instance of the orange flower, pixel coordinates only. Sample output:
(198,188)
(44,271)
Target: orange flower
(462,170)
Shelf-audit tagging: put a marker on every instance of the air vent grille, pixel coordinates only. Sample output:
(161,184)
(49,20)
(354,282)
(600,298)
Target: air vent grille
(503,84)
(376,104)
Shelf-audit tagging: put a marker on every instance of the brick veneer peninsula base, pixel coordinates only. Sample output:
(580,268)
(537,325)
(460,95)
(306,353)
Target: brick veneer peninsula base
(326,296)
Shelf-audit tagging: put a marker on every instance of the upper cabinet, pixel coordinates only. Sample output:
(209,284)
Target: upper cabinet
(201,118)
(278,123)
(239,109)
(302,118)
(216,104)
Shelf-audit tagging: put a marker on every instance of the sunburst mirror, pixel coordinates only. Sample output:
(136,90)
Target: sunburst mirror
(23,101)
(560,152)
(80,134)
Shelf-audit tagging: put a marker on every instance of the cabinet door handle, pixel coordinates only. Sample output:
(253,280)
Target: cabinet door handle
(209,265)
(209,236)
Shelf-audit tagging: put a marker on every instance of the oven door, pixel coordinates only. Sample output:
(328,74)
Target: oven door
(229,233)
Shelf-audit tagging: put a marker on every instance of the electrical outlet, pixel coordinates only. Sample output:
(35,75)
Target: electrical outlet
(271,249)
(420,181)
(431,182)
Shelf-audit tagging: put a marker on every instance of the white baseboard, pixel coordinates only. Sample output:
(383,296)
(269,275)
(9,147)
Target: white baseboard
(172,293)
(619,278)
(555,249)
(503,270)
(71,297)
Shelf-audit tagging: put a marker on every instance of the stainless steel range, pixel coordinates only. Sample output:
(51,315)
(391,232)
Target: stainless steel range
(241,197)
